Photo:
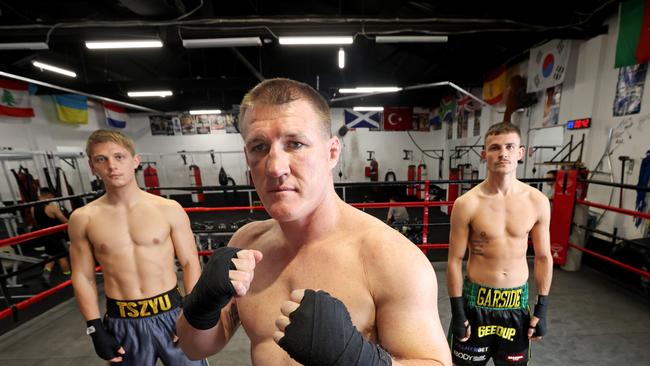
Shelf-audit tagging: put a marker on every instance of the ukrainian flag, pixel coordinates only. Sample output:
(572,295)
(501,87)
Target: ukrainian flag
(71,108)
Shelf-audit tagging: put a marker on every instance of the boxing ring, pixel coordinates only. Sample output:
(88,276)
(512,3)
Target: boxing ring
(615,309)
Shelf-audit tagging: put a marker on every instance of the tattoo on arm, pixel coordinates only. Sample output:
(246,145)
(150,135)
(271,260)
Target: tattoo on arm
(477,245)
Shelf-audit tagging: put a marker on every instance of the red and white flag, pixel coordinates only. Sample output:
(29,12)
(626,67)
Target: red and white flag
(116,116)
(14,99)
(398,118)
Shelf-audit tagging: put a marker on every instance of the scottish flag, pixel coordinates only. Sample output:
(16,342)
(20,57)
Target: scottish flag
(354,119)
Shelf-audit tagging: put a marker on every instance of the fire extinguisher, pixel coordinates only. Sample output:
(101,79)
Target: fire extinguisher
(410,190)
(195,181)
(422,175)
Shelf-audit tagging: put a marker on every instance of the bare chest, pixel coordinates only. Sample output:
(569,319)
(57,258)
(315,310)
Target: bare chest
(339,274)
(503,219)
(142,227)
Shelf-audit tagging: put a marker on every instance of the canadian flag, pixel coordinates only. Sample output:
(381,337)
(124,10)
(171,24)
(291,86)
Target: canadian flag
(398,119)
(14,99)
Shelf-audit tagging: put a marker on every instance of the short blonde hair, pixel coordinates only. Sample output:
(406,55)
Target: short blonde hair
(281,91)
(101,136)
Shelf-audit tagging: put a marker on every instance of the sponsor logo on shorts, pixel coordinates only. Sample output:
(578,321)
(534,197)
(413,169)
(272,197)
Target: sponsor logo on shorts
(466,357)
(502,299)
(503,332)
(515,358)
(473,349)
(143,308)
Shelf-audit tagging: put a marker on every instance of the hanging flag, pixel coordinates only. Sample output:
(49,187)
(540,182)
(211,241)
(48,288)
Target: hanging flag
(71,108)
(116,116)
(547,65)
(14,99)
(355,119)
(434,119)
(447,106)
(398,118)
(494,85)
(633,44)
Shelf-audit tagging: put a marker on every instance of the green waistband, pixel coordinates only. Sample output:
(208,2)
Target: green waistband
(495,298)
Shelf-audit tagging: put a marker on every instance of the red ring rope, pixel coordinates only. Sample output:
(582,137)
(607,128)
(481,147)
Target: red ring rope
(613,261)
(615,209)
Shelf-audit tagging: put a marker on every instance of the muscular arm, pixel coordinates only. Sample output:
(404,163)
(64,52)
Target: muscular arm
(198,344)
(458,238)
(83,267)
(542,245)
(405,292)
(184,246)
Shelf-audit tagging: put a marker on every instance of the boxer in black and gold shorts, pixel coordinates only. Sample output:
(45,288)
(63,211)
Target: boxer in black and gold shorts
(146,329)
(499,320)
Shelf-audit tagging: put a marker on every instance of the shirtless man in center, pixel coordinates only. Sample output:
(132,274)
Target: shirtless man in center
(490,316)
(135,236)
(321,283)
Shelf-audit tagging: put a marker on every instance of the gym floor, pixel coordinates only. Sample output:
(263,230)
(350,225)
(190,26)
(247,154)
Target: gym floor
(592,321)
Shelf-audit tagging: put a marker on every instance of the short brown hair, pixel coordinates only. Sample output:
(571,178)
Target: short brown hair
(101,136)
(502,128)
(281,91)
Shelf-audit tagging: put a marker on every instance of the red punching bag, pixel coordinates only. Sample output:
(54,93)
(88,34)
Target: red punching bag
(422,175)
(374,171)
(151,180)
(195,181)
(410,190)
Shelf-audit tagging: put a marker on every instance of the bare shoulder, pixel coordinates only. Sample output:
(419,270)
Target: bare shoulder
(162,202)
(537,198)
(84,213)
(248,236)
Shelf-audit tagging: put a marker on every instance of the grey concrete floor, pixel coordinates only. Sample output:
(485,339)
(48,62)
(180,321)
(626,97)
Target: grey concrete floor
(592,321)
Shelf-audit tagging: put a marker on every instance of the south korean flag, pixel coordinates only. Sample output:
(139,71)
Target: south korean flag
(355,119)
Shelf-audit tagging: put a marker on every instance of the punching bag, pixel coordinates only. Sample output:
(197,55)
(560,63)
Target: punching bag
(410,176)
(390,176)
(374,171)
(223,177)
(195,181)
(151,179)
(422,175)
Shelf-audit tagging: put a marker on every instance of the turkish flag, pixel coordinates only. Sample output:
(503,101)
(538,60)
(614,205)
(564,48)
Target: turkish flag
(398,118)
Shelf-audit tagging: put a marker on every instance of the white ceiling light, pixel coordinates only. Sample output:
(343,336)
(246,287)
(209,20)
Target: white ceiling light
(222,42)
(411,39)
(24,46)
(104,45)
(368,109)
(152,93)
(315,40)
(44,66)
(370,89)
(341,58)
(206,111)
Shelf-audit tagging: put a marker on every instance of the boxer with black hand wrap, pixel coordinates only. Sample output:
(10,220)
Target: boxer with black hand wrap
(459,322)
(540,313)
(321,333)
(106,346)
(213,290)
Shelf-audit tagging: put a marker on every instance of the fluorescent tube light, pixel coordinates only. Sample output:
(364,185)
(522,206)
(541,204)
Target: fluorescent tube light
(152,93)
(222,42)
(315,40)
(104,45)
(341,58)
(368,109)
(206,111)
(370,89)
(24,46)
(44,66)
(411,39)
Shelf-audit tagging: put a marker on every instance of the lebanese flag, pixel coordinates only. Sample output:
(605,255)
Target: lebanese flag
(398,118)
(14,99)
(116,116)
(633,44)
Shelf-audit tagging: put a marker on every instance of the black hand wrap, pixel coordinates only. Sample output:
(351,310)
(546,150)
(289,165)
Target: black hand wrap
(540,312)
(458,317)
(213,290)
(321,333)
(105,344)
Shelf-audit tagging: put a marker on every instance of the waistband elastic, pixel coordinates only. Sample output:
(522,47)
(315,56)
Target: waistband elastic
(143,308)
(495,298)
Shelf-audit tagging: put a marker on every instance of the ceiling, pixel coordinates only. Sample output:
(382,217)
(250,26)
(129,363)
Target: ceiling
(481,37)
